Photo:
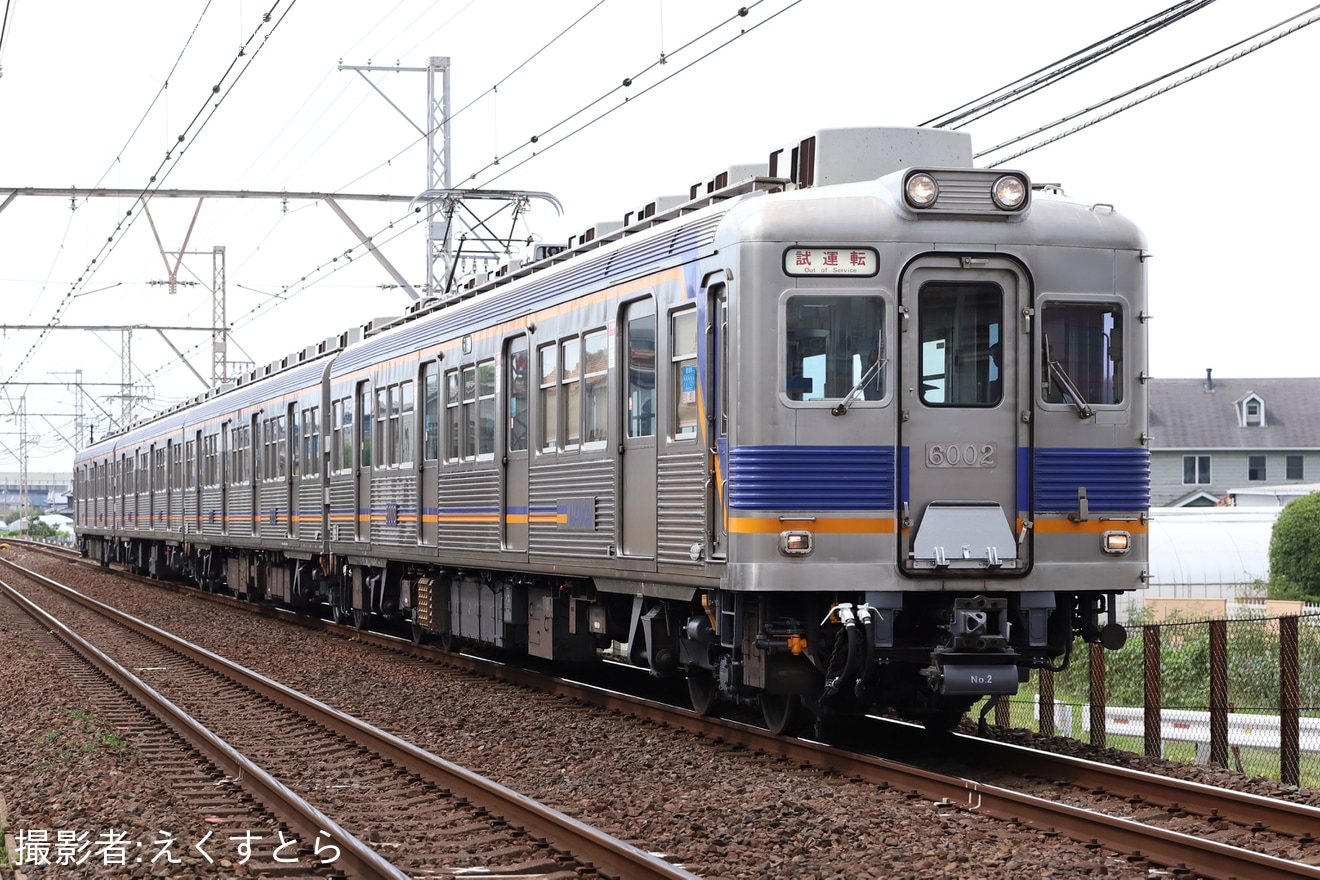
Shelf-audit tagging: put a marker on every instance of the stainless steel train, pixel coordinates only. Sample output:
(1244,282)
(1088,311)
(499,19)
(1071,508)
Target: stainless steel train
(861,428)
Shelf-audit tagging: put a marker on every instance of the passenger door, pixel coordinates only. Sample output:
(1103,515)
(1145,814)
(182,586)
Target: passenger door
(513,508)
(964,391)
(362,466)
(637,490)
(428,471)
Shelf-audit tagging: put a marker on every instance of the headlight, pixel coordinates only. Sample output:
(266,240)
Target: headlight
(1009,192)
(921,190)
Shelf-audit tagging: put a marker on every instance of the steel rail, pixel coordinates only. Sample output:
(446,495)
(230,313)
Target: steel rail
(604,852)
(1174,849)
(1301,821)
(359,860)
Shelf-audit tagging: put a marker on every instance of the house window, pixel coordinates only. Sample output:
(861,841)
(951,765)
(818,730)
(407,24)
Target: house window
(1196,469)
(1256,468)
(1294,468)
(1253,412)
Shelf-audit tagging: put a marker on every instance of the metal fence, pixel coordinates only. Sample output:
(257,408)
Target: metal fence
(1242,693)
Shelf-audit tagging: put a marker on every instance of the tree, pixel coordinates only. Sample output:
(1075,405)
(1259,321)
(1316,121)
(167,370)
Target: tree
(1295,551)
(38,529)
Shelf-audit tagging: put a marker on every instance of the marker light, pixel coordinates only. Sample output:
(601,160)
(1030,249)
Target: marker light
(795,543)
(1116,543)
(921,190)
(1009,192)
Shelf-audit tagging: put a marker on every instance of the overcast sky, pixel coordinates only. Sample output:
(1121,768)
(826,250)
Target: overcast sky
(1217,171)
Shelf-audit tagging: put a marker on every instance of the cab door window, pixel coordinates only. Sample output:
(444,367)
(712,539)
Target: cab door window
(961,329)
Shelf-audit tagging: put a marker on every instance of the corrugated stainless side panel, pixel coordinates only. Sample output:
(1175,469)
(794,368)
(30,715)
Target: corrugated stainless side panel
(342,511)
(211,512)
(468,511)
(680,506)
(190,511)
(556,487)
(272,509)
(309,510)
(394,510)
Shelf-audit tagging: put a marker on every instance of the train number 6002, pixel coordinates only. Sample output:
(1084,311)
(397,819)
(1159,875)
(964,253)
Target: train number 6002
(960,455)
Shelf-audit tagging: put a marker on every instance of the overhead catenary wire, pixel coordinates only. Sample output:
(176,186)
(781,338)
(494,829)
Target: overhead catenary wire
(119,155)
(332,265)
(997,99)
(490,90)
(1276,35)
(205,112)
(4,32)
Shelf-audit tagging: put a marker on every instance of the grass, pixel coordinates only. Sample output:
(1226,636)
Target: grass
(1247,760)
(88,735)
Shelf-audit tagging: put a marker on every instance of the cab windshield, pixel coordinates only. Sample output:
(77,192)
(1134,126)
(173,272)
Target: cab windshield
(831,342)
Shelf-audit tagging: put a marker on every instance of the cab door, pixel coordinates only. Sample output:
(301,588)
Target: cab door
(964,415)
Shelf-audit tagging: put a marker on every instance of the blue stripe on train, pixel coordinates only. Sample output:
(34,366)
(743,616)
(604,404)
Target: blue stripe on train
(811,477)
(864,478)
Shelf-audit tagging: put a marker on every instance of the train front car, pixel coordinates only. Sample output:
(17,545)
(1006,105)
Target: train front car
(933,454)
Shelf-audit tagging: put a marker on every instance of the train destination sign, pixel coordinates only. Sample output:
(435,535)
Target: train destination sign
(862,261)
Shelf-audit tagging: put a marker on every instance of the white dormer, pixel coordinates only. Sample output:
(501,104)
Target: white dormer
(1251,410)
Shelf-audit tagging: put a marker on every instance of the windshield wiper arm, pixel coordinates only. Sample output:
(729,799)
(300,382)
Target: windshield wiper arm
(1061,376)
(841,408)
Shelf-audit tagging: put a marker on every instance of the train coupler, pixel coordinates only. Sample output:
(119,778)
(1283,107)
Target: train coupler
(972,674)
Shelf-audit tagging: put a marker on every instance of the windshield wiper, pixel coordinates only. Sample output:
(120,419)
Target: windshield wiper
(1061,376)
(841,408)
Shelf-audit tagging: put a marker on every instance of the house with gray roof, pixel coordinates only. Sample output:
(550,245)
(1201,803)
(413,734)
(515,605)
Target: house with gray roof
(1212,436)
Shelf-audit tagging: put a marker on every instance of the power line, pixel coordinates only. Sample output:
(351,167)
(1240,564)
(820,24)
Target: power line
(341,260)
(124,149)
(1051,74)
(1153,94)
(205,112)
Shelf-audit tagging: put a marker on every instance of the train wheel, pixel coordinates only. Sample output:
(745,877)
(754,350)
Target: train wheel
(782,713)
(338,615)
(447,643)
(359,618)
(703,690)
(418,634)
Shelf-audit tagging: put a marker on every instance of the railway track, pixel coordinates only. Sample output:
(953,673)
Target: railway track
(1193,829)
(336,773)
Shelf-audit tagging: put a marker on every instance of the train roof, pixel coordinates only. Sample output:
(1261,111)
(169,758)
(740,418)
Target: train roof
(862,167)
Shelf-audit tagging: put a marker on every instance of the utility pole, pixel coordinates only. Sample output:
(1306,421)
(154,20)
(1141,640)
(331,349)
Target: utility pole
(440,198)
(437,172)
(219,323)
(129,394)
(81,438)
(23,502)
